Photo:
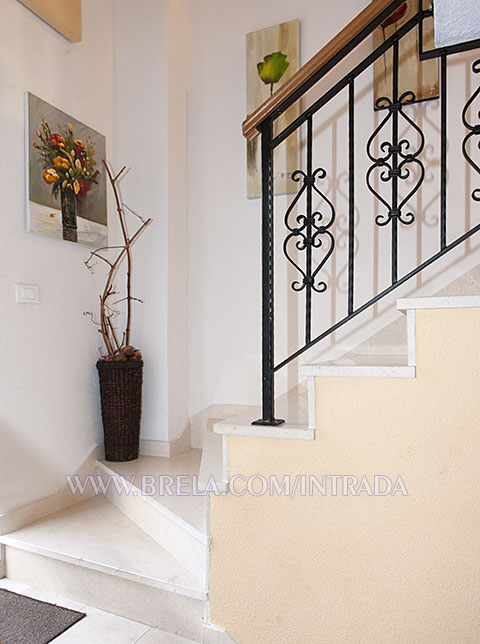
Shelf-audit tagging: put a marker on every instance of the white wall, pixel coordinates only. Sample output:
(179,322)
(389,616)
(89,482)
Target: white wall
(151,78)
(224,227)
(140,98)
(115,80)
(177,39)
(49,413)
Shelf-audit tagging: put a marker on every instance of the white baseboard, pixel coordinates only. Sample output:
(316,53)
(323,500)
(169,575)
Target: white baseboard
(154,448)
(166,448)
(22,516)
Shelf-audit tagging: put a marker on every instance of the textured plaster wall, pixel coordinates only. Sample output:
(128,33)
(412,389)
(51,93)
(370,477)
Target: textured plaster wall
(49,411)
(350,570)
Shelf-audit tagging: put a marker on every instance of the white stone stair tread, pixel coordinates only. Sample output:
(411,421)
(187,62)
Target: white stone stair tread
(212,464)
(443,302)
(190,508)
(95,534)
(241,425)
(357,365)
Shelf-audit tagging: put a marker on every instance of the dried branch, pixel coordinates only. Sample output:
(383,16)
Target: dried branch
(107,311)
(124,205)
(134,299)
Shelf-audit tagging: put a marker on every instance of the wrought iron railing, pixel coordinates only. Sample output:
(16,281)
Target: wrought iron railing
(394,161)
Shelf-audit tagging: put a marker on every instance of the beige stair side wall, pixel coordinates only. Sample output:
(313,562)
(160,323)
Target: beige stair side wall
(350,570)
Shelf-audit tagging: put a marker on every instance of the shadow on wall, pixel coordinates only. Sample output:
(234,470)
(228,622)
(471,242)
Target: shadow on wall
(25,471)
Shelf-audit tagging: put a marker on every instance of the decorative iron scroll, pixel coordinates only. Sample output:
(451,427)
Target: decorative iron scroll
(311,230)
(474,130)
(397,156)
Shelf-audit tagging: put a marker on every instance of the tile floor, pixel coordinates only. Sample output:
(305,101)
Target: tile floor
(98,627)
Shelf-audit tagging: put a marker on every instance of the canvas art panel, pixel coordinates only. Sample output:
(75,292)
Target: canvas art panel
(273,56)
(66,181)
(65,16)
(419,77)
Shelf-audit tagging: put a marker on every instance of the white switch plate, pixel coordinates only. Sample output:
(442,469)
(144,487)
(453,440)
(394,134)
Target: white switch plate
(27,293)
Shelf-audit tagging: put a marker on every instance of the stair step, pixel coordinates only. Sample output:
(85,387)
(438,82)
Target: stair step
(94,534)
(176,521)
(190,509)
(241,425)
(359,366)
(92,552)
(442,302)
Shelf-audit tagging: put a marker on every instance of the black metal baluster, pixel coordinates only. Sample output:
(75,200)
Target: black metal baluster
(268,376)
(473,130)
(395,170)
(351,192)
(443,151)
(308,234)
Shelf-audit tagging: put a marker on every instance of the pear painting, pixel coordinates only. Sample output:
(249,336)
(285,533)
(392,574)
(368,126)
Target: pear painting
(272,68)
(272,58)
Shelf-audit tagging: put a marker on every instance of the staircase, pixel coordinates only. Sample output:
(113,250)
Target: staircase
(139,546)
(139,550)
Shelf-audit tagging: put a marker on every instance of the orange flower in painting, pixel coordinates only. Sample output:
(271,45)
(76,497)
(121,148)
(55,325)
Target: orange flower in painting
(68,162)
(58,141)
(60,162)
(50,176)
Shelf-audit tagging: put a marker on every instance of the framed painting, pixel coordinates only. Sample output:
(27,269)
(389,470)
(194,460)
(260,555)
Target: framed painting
(273,56)
(65,16)
(420,77)
(66,183)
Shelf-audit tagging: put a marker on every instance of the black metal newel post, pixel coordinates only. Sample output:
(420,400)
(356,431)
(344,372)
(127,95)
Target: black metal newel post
(268,374)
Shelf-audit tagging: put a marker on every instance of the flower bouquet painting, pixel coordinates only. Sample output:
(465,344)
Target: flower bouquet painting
(66,183)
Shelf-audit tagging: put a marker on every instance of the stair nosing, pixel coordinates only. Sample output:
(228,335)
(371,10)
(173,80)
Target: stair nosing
(97,566)
(359,371)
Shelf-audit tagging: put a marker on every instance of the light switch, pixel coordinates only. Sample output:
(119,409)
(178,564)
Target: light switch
(27,293)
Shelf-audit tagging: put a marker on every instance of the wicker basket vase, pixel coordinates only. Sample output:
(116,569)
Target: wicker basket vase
(121,398)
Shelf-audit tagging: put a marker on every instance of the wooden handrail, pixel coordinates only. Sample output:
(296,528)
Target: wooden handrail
(321,58)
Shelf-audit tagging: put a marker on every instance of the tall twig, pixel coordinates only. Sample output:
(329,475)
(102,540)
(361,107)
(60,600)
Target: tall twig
(107,329)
